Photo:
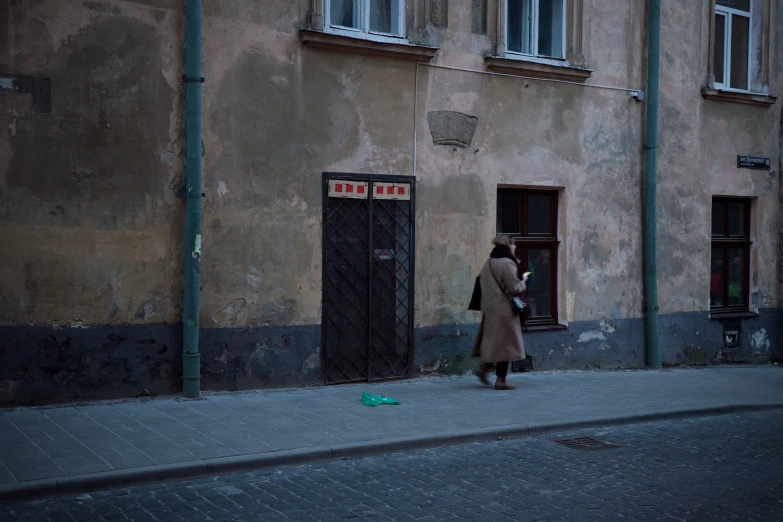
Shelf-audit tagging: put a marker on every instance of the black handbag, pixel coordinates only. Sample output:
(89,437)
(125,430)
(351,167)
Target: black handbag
(475,299)
(517,305)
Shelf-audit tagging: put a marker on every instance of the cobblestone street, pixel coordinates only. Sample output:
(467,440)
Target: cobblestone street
(717,468)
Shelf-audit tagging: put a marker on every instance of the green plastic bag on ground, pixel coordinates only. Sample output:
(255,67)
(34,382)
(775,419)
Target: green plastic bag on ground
(368,399)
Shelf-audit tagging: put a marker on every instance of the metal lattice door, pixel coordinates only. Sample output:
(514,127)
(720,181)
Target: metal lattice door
(367,327)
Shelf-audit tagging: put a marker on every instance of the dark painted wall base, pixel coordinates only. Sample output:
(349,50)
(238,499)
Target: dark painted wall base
(690,338)
(42,365)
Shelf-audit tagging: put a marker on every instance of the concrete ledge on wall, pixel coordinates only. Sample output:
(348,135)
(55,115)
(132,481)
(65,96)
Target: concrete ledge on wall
(760,100)
(735,315)
(533,69)
(338,42)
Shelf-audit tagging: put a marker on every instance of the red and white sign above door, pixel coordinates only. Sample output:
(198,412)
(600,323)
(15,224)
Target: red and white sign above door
(391,191)
(360,190)
(348,189)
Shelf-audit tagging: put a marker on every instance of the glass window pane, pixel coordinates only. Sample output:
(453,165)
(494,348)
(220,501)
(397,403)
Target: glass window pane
(740,43)
(736,276)
(550,28)
(539,214)
(385,16)
(737,219)
(716,278)
(508,221)
(742,5)
(539,294)
(720,47)
(520,24)
(344,13)
(718,209)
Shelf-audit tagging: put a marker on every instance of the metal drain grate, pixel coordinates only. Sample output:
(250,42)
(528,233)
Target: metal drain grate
(586,443)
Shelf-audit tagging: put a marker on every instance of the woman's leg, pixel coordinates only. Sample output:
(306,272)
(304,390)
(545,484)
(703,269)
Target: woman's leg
(501,370)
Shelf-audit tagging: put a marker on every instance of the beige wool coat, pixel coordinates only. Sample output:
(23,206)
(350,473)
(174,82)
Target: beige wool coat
(499,336)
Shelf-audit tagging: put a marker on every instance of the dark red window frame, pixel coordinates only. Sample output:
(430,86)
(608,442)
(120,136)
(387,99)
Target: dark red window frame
(527,240)
(724,239)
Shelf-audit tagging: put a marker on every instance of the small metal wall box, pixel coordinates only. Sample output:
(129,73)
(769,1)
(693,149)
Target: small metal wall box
(730,338)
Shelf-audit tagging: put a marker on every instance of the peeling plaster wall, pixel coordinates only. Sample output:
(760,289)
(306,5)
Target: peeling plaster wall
(91,215)
(89,220)
(90,227)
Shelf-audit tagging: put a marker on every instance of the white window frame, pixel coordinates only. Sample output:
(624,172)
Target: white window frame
(363,31)
(534,36)
(729,13)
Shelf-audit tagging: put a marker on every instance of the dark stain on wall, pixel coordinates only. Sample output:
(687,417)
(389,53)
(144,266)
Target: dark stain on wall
(111,107)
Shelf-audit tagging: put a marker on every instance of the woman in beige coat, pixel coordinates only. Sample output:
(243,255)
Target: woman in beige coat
(499,338)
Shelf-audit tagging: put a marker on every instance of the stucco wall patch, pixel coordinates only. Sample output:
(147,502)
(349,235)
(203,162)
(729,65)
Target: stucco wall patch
(760,342)
(451,128)
(234,314)
(591,335)
(607,326)
(155,307)
(253,279)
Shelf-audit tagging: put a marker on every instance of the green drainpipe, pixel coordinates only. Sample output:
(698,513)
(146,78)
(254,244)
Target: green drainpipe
(652,351)
(191,360)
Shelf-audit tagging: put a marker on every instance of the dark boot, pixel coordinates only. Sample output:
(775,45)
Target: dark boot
(481,373)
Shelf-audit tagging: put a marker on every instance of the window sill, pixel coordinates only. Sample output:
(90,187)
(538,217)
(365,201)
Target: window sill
(545,328)
(338,42)
(732,315)
(759,100)
(536,69)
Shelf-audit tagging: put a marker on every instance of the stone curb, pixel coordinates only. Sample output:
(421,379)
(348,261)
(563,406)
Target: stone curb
(78,484)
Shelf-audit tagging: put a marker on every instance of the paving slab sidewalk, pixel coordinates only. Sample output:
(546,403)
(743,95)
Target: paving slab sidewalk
(50,451)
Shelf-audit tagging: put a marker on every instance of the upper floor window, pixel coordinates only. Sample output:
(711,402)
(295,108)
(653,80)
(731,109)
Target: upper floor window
(732,44)
(536,27)
(370,27)
(538,38)
(378,17)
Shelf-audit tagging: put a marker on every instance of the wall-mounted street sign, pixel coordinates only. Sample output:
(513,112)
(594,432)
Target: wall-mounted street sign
(752,162)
